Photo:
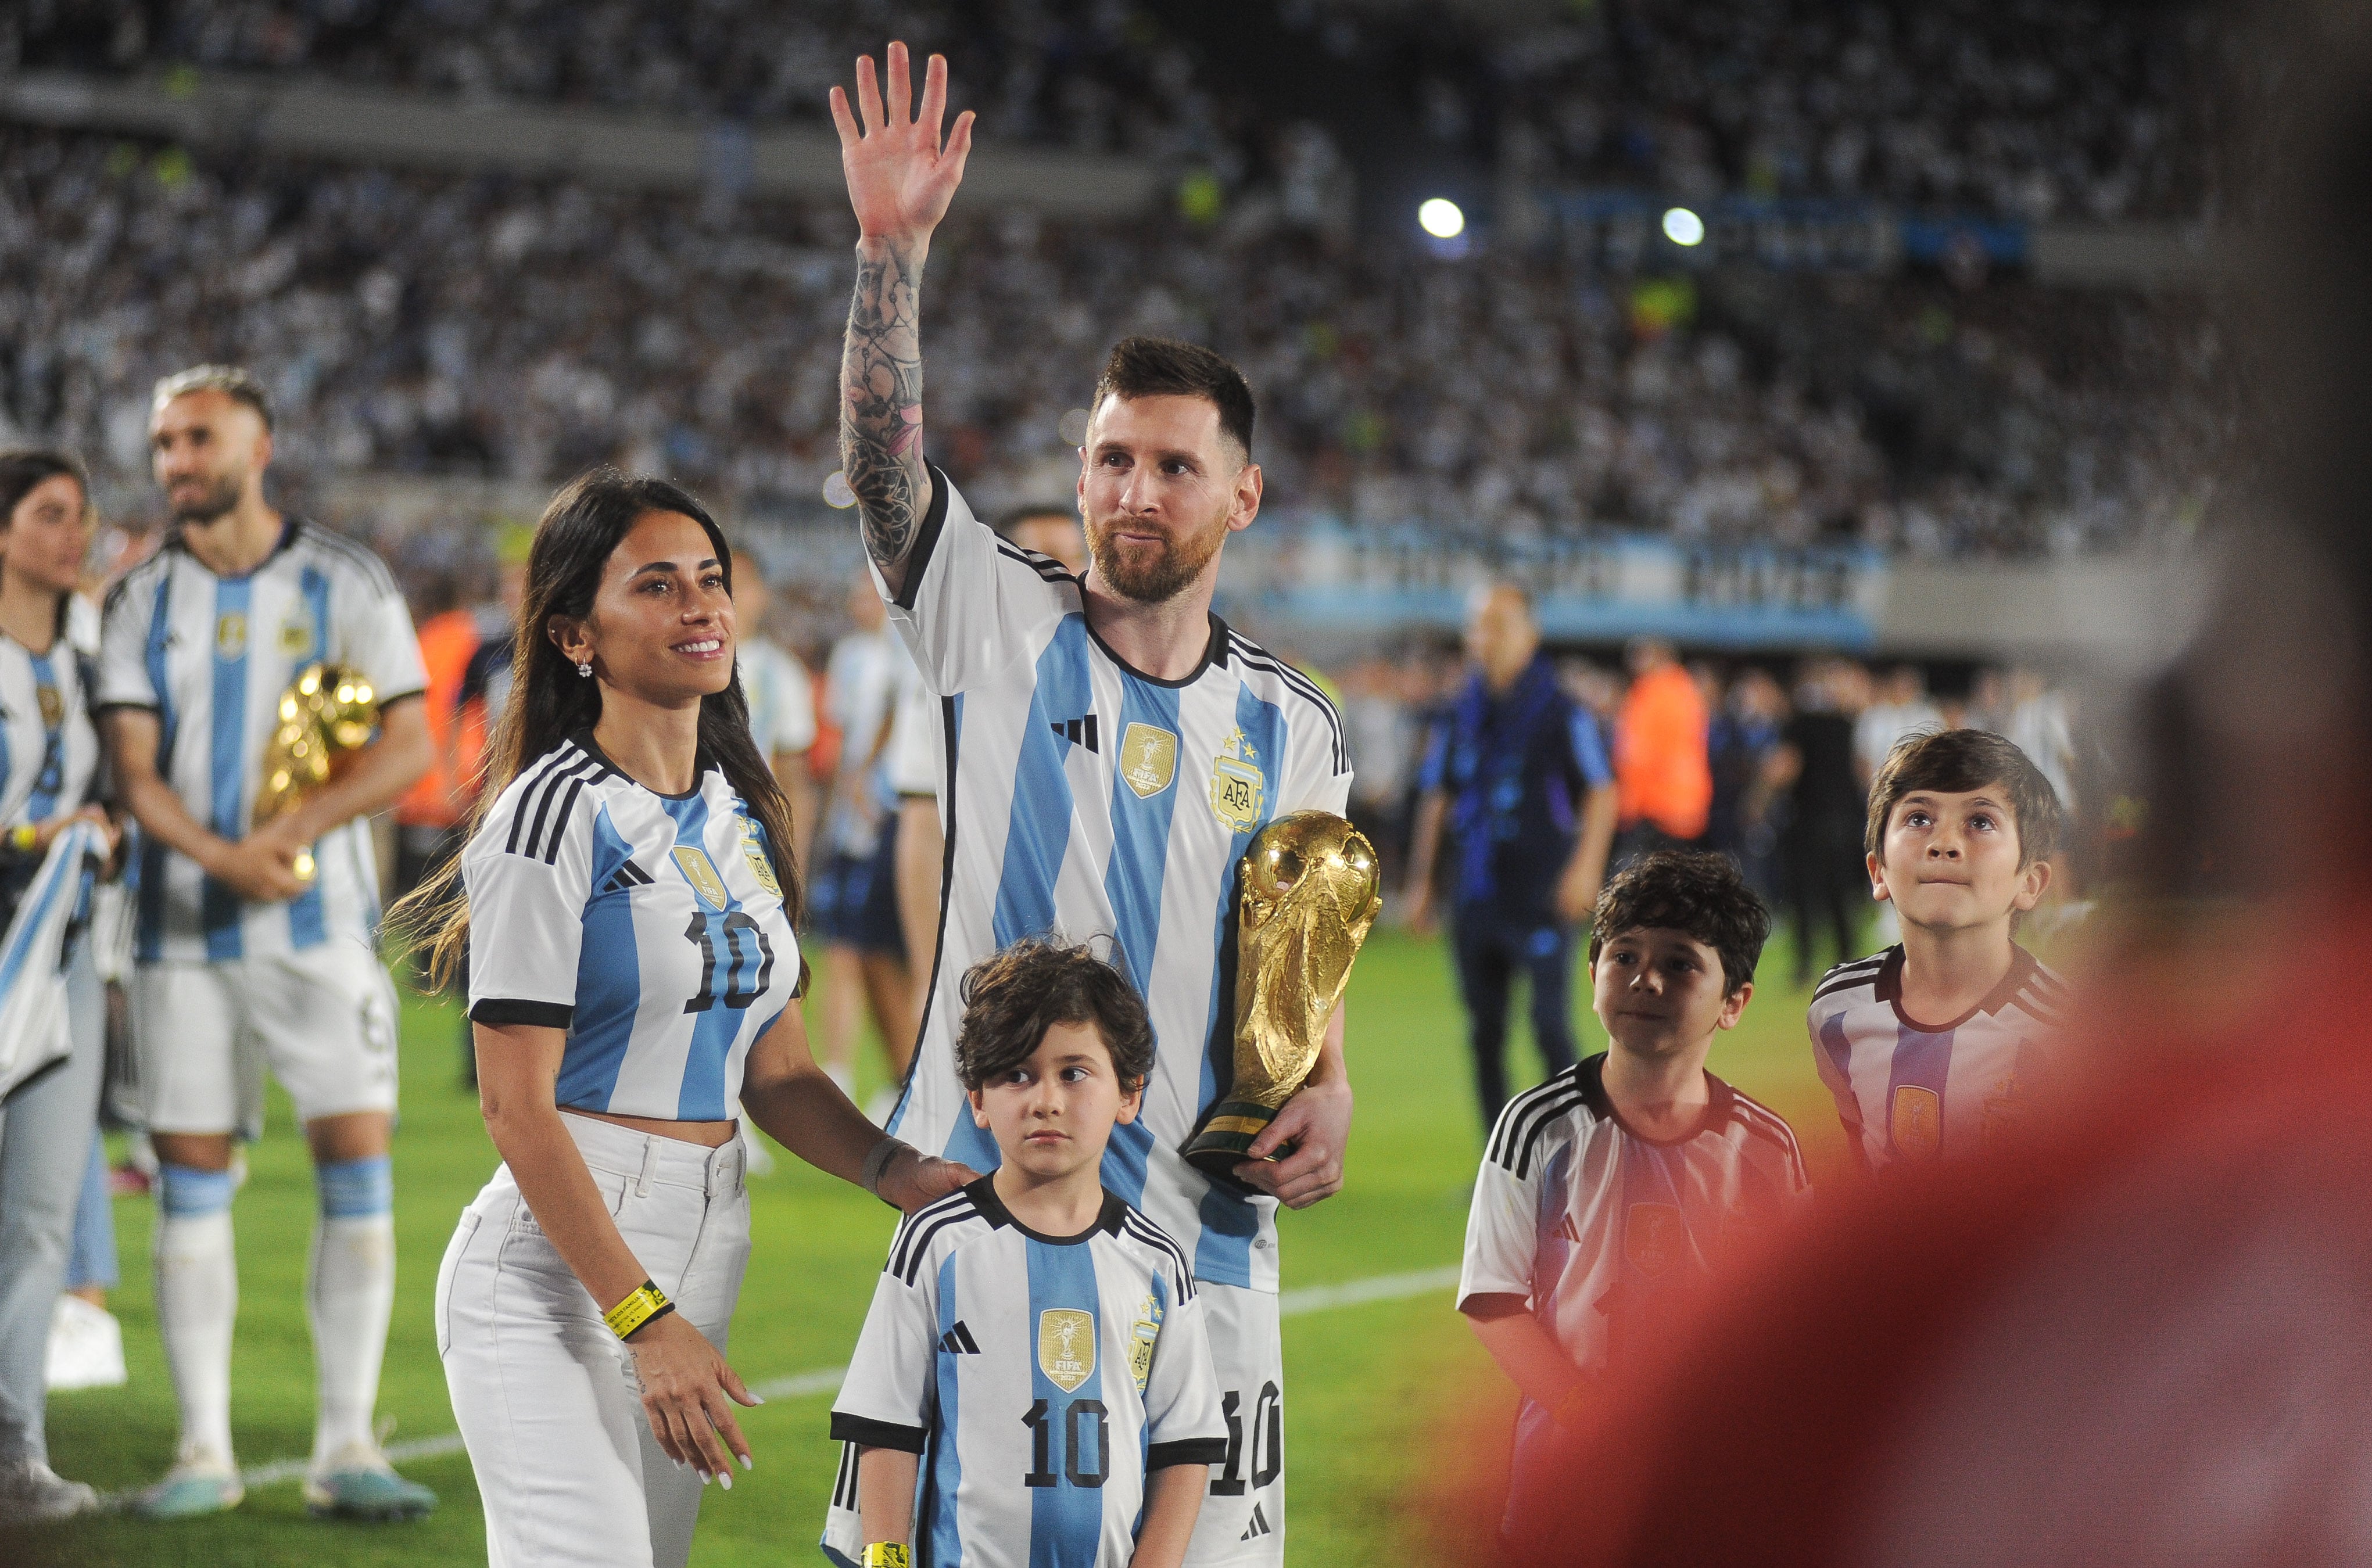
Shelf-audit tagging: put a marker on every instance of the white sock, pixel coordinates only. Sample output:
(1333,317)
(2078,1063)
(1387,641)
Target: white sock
(349,1298)
(197,1301)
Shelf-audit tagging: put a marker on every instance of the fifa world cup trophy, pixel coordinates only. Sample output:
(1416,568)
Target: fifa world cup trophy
(326,715)
(1311,893)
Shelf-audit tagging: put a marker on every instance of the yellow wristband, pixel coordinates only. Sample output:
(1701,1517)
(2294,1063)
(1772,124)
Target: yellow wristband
(643,1304)
(888,1554)
(23,837)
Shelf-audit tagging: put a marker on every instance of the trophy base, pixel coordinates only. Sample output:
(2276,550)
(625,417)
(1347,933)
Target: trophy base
(1225,1138)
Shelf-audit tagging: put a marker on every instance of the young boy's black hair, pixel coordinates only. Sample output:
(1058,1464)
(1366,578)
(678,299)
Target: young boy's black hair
(1955,761)
(1691,890)
(1013,996)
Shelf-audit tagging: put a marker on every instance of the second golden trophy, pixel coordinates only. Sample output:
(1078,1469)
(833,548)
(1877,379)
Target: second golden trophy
(327,715)
(1310,890)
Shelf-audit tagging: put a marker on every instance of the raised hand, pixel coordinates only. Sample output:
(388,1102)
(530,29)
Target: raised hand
(901,178)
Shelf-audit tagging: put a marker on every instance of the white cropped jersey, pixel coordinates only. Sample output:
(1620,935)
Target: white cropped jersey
(48,749)
(1912,1091)
(1086,799)
(210,657)
(649,926)
(1041,1378)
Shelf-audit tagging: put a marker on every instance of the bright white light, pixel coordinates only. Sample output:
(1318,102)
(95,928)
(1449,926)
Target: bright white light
(1441,218)
(1682,226)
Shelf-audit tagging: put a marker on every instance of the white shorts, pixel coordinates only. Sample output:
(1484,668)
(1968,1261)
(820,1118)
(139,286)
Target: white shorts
(545,1394)
(322,1020)
(1243,1514)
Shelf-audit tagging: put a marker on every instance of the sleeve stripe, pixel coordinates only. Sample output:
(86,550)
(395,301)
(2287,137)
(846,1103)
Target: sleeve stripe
(1839,983)
(360,557)
(844,1483)
(1049,569)
(526,785)
(1186,1451)
(921,1248)
(1257,658)
(515,1010)
(1556,1111)
(549,787)
(847,1428)
(1153,1236)
(1504,1136)
(560,823)
(1760,1121)
(914,1237)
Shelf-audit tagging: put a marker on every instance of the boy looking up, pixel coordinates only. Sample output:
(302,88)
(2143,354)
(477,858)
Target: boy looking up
(1628,1175)
(1033,1385)
(1937,1044)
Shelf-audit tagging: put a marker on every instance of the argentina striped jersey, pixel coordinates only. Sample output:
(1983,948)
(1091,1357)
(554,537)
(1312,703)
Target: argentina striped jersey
(1912,1091)
(210,657)
(1041,1378)
(649,926)
(48,748)
(1087,800)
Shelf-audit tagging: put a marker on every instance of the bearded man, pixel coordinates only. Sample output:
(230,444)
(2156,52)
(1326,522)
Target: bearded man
(1112,748)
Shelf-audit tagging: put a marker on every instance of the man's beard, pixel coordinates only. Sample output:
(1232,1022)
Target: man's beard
(218,499)
(1163,578)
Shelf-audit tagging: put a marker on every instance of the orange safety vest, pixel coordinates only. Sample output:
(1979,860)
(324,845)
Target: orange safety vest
(1661,773)
(440,798)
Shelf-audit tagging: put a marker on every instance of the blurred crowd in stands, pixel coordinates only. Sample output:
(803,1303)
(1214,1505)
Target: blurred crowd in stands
(524,330)
(2033,110)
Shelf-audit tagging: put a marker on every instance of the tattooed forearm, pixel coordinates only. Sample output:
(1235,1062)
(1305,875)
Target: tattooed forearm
(881,400)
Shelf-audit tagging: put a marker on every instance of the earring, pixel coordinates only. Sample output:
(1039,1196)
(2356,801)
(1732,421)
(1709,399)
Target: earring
(586,671)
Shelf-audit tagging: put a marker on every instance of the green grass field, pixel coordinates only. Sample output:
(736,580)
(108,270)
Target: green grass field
(1367,1380)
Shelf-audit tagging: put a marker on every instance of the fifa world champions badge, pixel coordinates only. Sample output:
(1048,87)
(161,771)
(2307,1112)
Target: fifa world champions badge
(1309,892)
(1066,1346)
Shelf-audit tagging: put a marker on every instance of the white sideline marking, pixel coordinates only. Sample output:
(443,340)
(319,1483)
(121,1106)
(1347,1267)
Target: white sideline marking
(826,1379)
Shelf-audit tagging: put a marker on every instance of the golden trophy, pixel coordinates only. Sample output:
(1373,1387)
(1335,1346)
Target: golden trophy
(326,715)
(1311,893)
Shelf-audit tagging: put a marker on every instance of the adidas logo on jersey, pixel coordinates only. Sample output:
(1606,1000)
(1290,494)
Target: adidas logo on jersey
(1078,732)
(1259,1526)
(958,1340)
(629,875)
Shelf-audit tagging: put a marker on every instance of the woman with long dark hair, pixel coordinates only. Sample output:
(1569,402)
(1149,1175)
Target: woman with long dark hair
(627,904)
(49,1102)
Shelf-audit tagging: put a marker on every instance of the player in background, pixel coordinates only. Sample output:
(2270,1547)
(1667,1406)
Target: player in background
(48,1122)
(782,700)
(629,856)
(917,757)
(1115,749)
(1520,774)
(1034,1375)
(239,964)
(1623,1181)
(855,907)
(1942,1042)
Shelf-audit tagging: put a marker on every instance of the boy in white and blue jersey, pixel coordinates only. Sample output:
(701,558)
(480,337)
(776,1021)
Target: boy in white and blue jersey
(1943,1044)
(1623,1181)
(1033,1387)
(243,961)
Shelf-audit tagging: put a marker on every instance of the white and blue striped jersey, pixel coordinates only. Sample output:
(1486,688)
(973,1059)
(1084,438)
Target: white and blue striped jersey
(782,700)
(649,926)
(1590,1226)
(1088,799)
(1041,1378)
(49,749)
(210,657)
(1908,1091)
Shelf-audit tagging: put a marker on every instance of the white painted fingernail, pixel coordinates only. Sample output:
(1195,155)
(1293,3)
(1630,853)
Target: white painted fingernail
(725,1479)
(748,1463)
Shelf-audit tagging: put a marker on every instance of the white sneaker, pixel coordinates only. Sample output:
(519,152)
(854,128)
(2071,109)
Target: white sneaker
(86,1347)
(358,1483)
(201,1484)
(31,1493)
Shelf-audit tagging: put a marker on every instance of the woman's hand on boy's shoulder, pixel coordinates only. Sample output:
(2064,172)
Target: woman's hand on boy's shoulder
(914,1178)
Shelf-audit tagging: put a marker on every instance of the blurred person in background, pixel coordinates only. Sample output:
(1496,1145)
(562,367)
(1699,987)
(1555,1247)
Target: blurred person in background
(49,1117)
(1900,707)
(2039,721)
(1660,765)
(428,818)
(486,686)
(853,900)
(1743,735)
(1814,770)
(1520,777)
(780,695)
(1384,740)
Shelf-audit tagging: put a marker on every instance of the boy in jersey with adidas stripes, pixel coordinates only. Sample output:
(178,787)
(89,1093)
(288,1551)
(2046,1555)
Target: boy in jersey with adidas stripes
(1033,1386)
(255,944)
(1942,1043)
(1112,748)
(1625,1179)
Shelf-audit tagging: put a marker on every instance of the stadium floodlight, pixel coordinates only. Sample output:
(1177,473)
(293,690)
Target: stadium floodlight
(1682,226)
(1440,217)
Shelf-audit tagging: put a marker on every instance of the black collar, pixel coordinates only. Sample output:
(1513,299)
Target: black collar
(983,1197)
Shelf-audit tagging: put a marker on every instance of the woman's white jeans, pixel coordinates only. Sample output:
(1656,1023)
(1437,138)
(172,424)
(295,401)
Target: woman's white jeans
(545,1394)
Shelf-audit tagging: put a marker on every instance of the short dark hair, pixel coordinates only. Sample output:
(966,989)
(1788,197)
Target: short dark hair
(1157,368)
(1014,996)
(1956,760)
(230,380)
(1013,517)
(22,468)
(1697,891)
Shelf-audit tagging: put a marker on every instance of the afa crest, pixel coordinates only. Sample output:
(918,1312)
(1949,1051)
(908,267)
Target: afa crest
(1140,1338)
(53,707)
(296,638)
(1652,1238)
(1149,759)
(1066,1346)
(1915,1121)
(230,634)
(1237,786)
(701,872)
(753,850)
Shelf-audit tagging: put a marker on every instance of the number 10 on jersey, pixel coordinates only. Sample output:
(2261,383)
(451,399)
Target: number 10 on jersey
(748,954)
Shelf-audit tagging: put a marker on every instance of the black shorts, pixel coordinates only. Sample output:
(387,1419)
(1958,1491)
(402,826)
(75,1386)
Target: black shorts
(853,898)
